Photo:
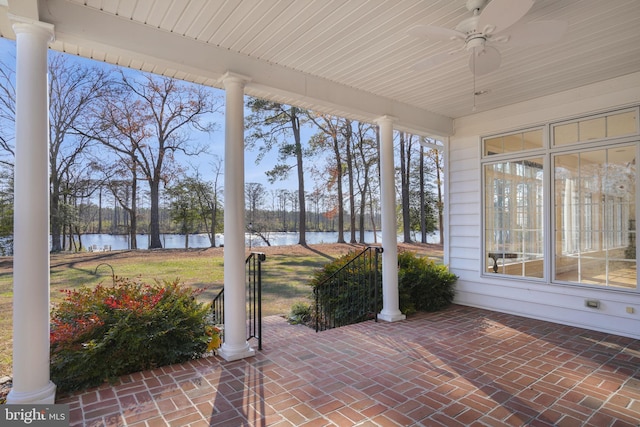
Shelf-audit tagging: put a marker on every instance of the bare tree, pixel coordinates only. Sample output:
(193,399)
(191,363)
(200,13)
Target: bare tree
(406,142)
(366,159)
(213,201)
(347,133)
(172,109)
(7,157)
(282,197)
(159,114)
(7,115)
(329,137)
(119,124)
(255,194)
(435,157)
(73,89)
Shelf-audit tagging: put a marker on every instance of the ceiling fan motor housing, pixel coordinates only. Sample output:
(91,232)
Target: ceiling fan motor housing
(474,39)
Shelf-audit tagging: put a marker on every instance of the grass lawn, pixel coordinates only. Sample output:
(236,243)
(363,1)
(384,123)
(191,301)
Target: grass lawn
(286,272)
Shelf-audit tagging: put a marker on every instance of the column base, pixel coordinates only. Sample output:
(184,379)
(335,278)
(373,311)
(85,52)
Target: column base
(236,354)
(43,396)
(391,317)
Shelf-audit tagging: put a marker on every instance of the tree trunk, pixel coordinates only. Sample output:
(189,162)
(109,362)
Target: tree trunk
(404,179)
(214,211)
(100,210)
(336,150)
(373,219)
(295,124)
(363,207)
(352,197)
(154,225)
(423,214)
(56,226)
(133,213)
(440,203)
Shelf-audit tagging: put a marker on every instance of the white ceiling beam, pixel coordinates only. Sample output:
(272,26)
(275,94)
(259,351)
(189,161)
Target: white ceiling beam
(25,8)
(88,27)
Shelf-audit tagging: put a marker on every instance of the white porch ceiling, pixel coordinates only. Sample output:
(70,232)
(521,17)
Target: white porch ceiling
(347,57)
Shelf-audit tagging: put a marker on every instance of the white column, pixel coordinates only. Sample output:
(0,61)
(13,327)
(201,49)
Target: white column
(235,344)
(31,381)
(390,299)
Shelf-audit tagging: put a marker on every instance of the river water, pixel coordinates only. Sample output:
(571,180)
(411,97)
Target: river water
(177,241)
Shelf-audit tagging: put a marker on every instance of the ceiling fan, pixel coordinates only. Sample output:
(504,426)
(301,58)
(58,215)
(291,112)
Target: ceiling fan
(487,26)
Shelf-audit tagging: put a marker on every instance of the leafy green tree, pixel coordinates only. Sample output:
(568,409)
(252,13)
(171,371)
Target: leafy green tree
(184,207)
(209,196)
(273,124)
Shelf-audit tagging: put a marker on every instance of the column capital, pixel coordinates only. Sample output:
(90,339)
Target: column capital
(230,77)
(20,24)
(387,119)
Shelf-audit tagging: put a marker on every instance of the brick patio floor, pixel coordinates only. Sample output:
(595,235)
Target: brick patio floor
(459,367)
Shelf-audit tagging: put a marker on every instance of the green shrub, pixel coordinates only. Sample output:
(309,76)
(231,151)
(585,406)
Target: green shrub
(423,285)
(101,333)
(349,298)
(300,313)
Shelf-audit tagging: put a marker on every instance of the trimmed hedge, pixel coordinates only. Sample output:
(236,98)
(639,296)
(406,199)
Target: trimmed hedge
(423,285)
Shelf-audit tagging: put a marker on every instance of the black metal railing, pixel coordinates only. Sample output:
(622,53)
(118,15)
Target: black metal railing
(351,294)
(217,309)
(253,269)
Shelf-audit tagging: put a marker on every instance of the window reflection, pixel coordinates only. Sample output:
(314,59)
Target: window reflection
(514,217)
(595,200)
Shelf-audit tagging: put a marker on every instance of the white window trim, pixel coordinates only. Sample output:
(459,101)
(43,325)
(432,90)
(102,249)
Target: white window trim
(548,152)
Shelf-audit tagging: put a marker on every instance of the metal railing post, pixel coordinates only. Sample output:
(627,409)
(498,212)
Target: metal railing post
(253,265)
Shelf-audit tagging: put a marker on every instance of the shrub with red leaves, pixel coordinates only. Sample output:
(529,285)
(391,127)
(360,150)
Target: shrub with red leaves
(101,333)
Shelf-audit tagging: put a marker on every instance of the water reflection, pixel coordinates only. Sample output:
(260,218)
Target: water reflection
(177,241)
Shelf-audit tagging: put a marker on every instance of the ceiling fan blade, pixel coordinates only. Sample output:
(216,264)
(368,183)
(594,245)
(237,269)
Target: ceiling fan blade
(436,33)
(484,61)
(432,61)
(537,33)
(499,15)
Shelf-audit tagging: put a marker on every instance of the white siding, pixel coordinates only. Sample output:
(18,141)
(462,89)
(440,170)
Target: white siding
(530,298)
(464,199)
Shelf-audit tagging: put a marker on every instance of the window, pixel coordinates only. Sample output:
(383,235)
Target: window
(513,217)
(595,128)
(513,143)
(587,194)
(595,203)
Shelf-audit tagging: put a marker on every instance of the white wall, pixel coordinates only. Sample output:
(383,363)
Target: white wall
(541,300)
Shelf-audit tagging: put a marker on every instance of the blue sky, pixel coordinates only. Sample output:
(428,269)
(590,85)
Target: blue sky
(215,140)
